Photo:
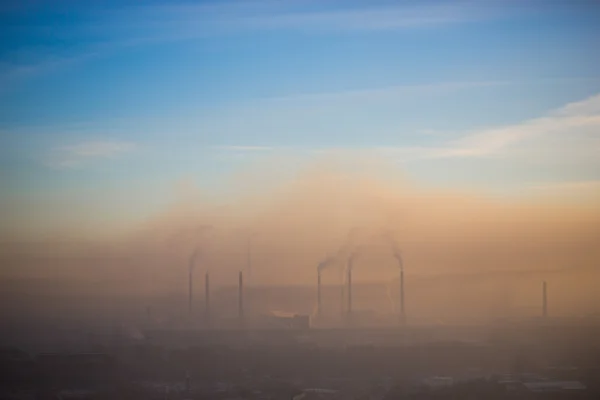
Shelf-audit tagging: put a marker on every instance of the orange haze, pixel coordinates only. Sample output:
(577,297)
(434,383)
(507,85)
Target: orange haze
(296,225)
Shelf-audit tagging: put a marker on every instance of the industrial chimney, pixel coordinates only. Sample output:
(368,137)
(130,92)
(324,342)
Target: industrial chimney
(241,298)
(544,299)
(349,310)
(343,300)
(318,292)
(190,287)
(207,298)
(402,312)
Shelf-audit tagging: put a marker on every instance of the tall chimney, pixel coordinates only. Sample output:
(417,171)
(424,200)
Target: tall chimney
(343,300)
(544,299)
(207,298)
(349,310)
(241,297)
(190,288)
(402,312)
(318,292)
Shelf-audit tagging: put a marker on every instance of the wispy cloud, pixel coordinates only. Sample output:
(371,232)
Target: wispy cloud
(578,119)
(387,91)
(10,73)
(77,155)
(245,148)
(372,18)
(577,122)
(569,134)
(124,27)
(215,18)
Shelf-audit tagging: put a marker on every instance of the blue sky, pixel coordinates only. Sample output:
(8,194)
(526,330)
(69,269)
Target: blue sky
(105,102)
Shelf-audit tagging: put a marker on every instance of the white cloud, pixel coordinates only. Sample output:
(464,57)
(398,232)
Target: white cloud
(562,147)
(78,154)
(571,123)
(587,107)
(570,133)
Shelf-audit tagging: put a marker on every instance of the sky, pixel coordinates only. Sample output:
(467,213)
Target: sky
(109,110)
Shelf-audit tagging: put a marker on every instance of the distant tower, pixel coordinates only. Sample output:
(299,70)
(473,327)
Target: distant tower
(402,311)
(318,292)
(349,310)
(343,298)
(545,299)
(190,288)
(241,298)
(207,298)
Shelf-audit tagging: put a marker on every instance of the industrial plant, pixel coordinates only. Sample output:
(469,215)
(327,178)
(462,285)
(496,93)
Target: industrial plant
(333,339)
(253,318)
(325,341)
(313,311)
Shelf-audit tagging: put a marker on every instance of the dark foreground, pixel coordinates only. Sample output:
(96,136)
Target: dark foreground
(547,362)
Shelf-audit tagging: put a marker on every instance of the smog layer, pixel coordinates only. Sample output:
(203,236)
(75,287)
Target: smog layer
(463,253)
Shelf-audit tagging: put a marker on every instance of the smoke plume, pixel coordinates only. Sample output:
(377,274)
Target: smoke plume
(395,249)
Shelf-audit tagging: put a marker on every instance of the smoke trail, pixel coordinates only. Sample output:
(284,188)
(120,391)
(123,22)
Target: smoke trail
(395,249)
(350,241)
(350,261)
(183,234)
(344,281)
(193,257)
(344,249)
(347,249)
(353,251)
(325,263)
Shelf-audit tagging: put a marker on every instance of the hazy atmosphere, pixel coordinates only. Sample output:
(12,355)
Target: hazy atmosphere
(362,164)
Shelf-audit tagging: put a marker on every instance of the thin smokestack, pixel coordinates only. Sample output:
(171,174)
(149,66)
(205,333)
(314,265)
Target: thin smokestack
(241,297)
(207,298)
(544,299)
(319,292)
(402,312)
(343,298)
(349,310)
(190,287)
(398,257)
(191,266)
(190,290)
